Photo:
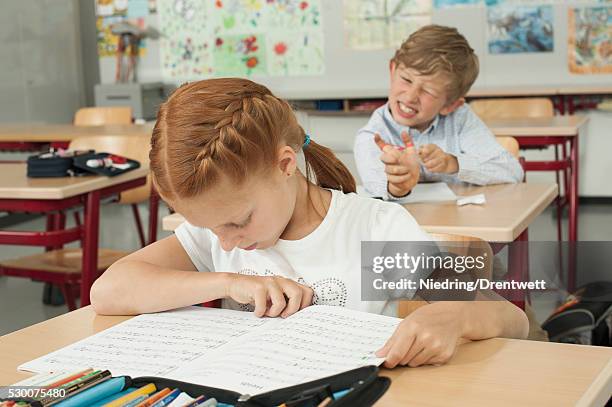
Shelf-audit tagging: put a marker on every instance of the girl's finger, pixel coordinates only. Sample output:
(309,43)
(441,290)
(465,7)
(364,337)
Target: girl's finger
(420,358)
(294,294)
(415,348)
(277,297)
(307,296)
(260,298)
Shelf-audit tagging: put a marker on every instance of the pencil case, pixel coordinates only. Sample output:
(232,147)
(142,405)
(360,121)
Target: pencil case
(365,384)
(358,387)
(63,163)
(53,164)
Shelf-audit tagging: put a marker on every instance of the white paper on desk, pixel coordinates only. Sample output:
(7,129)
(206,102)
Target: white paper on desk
(150,344)
(231,349)
(478,199)
(425,192)
(316,342)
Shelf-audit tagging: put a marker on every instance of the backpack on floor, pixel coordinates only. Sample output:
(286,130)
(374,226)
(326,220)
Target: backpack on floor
(585,318)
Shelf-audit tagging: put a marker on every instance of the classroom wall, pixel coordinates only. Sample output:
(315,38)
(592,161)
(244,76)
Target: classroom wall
(41,76)
(354,73)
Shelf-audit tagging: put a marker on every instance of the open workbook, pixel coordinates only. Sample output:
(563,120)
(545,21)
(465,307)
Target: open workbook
(230,349)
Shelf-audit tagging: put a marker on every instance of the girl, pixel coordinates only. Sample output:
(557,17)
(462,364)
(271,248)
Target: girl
(225,154)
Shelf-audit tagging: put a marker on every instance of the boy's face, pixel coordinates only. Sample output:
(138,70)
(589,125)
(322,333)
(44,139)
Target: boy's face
(416,99)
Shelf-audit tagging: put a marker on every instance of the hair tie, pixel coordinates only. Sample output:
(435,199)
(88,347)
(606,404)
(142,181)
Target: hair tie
(306,141)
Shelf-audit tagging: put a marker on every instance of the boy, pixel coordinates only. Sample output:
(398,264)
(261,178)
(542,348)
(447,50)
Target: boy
(425,131)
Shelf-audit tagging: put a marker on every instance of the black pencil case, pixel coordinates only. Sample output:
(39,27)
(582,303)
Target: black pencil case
(365,384)
(76,163)
(83,162)
(51,164)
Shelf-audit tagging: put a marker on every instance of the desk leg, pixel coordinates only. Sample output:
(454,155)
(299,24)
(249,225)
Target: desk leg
(518,266)
(573,214)
(89,271)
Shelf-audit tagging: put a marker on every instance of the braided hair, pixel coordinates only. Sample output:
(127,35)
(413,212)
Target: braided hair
(230,127)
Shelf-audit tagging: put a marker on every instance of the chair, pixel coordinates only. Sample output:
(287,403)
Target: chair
(136,148)
(532,108)
(62,267)
(98,116)
(513,108)
(510,144)
(459,245)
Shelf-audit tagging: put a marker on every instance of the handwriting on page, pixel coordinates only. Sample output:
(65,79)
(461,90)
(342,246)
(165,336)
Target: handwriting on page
(151,344)
(316,342)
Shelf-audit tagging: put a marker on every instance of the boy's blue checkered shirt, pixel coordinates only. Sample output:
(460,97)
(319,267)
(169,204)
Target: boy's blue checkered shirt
(481,159)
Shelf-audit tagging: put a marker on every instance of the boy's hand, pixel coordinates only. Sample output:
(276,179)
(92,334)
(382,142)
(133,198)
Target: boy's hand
(401,165)
(272,296)
(428,336)
(436,160)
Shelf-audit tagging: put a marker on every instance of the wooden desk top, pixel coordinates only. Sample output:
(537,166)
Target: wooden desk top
(601,89)
(545,126)
(14,184)
(499,372)
(501,91)
(548,90)
(510,208)
(46,133)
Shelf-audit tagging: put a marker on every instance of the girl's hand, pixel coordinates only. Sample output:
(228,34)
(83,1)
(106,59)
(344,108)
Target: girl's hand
(436,160)
(428,336)
(272,296)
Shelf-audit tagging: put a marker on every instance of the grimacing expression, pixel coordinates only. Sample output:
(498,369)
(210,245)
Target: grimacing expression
(416,99)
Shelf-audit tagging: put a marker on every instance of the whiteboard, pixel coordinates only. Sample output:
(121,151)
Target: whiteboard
(365,74)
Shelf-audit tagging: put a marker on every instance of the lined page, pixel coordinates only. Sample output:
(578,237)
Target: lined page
(151,344)
(316,342)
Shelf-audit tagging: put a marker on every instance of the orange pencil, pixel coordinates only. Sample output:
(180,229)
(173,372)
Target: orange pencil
(154,398)
(69,378)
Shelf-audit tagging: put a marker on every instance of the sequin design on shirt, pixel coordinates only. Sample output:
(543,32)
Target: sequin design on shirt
(329,291)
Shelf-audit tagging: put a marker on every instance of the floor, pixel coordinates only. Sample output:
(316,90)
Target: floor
(21,305)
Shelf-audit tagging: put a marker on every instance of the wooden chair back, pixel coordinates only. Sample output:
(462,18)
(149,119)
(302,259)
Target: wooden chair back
(512,108)
(98,116)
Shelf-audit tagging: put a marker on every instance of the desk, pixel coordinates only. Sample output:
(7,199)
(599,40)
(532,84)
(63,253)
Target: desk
(552,131)
(27,136)
(509,210)
(19,193)
(500,372)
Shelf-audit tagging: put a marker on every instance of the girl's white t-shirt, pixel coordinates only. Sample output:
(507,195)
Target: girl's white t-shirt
(328,259)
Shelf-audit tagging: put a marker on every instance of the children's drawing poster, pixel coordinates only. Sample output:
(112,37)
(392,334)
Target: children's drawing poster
(590,40)
(518,29)
(374,24)
(107,8)
(107,41)
(240,38)
(185,43)
(442,4)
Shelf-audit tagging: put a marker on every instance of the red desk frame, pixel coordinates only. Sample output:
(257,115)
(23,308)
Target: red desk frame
(87,233)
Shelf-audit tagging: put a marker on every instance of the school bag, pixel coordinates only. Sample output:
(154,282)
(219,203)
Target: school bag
(585,318)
